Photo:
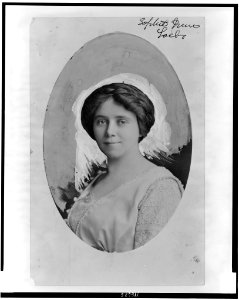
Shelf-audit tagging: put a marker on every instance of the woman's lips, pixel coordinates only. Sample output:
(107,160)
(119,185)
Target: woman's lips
(111,143)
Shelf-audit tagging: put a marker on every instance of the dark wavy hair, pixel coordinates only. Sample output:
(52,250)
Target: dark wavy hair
(130,97)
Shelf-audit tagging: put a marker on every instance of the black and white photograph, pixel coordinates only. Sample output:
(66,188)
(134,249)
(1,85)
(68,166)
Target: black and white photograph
(123,145)
(117,135)
(127,140)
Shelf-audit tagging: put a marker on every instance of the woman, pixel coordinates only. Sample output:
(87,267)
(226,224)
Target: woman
(126,206)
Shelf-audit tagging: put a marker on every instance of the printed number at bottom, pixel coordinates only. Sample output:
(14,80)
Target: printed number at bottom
(127,295)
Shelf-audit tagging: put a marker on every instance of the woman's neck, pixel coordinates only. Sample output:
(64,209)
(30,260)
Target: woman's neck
(128,165)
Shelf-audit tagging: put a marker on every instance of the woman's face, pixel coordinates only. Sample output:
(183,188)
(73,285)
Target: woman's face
(116,130)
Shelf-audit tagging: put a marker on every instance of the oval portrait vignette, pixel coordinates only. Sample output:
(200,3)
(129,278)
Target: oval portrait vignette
(117,142)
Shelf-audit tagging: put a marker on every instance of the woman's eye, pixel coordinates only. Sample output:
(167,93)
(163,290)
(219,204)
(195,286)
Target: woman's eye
(122,122)
(100,122)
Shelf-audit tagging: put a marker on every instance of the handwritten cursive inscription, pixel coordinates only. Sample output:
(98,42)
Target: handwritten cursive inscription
(166,28)
(152,22)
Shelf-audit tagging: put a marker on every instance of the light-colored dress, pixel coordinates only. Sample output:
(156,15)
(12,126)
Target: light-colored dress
(130,215)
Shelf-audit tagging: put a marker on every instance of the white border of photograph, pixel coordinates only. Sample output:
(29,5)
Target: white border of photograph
(218,146)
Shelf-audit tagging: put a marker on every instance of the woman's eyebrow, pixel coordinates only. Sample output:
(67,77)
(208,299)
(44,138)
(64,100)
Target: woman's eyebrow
(116,116)
(122,117)
(100,116)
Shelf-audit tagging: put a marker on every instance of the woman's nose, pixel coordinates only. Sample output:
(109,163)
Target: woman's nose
(111,129)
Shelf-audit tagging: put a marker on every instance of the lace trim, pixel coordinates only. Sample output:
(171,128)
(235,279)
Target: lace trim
(156,208)
(160,185)
(79,210)
(144,236)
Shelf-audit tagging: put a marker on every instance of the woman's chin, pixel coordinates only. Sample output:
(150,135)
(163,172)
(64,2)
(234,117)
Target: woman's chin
(119,152)
(113,154)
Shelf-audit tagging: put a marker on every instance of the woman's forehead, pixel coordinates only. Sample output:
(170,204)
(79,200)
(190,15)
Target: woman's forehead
(110,108)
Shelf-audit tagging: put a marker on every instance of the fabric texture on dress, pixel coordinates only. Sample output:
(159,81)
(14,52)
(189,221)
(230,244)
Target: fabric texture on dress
(130,215)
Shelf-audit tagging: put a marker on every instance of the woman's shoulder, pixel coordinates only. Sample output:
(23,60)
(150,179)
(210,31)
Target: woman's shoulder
(159,174)
(157,205)
(161,184)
